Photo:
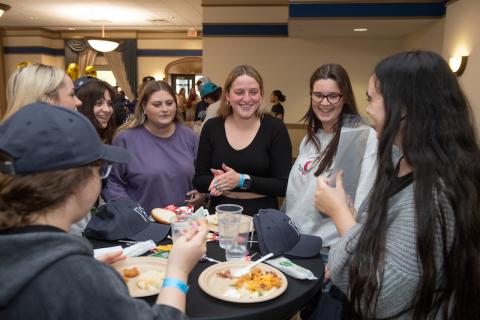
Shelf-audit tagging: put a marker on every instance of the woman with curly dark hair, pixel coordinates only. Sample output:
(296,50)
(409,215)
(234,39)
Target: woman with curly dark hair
(413,249)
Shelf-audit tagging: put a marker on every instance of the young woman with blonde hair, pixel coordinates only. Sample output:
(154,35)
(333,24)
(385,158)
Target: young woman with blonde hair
(39,83)
(244,157)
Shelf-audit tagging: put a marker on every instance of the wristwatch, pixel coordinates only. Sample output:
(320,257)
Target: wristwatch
(247,182)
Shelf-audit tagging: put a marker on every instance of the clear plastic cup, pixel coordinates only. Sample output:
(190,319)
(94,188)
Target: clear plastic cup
(177,225)
(228,216)
(237,249)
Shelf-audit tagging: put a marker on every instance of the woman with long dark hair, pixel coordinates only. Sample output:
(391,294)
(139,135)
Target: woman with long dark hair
(332,103)
(97,96)
(413,250)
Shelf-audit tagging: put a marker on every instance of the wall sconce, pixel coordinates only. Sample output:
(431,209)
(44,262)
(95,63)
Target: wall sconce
(458,64)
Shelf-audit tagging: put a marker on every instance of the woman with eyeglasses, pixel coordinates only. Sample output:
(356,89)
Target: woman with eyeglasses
(163,153)
(332,102)
(412,252)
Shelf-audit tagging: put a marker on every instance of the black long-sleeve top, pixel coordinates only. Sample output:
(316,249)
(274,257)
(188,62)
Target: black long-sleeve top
(267,159)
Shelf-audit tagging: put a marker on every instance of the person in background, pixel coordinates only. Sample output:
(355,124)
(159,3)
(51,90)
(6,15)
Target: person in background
(182,103)
(39,83)
(412,251)
(331,100)
(211,94)
(163,153)
(191,103)
(120,106)
(277,109)
(44,267)
(201,105)
(243,157)
(96,96)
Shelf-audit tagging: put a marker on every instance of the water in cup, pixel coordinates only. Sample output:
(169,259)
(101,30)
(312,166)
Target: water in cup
(177,225)
(228,216)
(237,248)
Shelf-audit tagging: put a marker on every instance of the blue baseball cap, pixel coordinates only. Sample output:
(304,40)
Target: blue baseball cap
(207,88)
(124,219)
(40,137)
(278,234)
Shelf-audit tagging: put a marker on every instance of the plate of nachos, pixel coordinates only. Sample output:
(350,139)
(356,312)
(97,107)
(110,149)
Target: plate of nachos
(262,283)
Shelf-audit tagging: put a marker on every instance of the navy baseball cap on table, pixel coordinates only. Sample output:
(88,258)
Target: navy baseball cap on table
(278,234)
(124,219)
(40,137)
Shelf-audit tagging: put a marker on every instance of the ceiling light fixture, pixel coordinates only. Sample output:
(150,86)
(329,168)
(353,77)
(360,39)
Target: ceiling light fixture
(360,29)
(3,8)
(103,44)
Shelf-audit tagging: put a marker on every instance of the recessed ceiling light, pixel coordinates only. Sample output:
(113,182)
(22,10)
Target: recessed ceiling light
(360,29)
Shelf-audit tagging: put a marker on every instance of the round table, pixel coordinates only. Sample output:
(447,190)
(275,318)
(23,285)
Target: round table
(202,306)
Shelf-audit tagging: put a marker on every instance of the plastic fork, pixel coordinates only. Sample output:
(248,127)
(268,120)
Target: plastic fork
(236,273)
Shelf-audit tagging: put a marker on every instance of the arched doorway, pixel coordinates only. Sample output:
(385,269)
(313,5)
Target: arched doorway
(181,72)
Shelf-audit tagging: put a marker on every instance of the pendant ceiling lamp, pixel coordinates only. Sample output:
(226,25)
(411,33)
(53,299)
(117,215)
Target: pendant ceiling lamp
(3,8)
(103,44)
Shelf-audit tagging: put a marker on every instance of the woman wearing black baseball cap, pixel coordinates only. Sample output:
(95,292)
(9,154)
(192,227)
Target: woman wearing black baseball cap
(51,165)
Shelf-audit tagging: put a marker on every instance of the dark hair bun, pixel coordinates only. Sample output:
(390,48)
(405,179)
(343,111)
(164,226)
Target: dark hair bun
(279,95)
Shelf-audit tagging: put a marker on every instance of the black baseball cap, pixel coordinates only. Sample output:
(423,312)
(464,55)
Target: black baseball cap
(40,137)
(124,219)
(278,234)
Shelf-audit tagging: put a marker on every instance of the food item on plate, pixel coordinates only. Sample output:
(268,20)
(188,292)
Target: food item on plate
(151,280)
(163,215)
(255,283)
(130,273)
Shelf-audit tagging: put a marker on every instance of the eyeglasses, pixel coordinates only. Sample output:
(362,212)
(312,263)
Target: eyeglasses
(105,169)
(332,98)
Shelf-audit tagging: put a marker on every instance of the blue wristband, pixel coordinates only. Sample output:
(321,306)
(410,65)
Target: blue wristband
(240,182)
(180,285)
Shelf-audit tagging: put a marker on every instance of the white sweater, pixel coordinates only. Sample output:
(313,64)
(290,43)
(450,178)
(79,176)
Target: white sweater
(302,183)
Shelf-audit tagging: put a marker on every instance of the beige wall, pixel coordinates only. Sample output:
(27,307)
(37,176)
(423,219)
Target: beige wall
(11,60)
(287,64)
(428,38)
(155,65)
(462,37)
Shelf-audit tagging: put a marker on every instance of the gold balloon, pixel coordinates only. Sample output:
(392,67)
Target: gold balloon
(90,71)
(23,64)
(73,71)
